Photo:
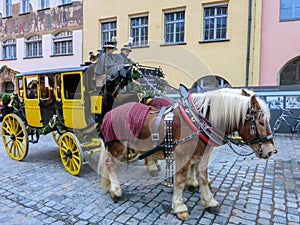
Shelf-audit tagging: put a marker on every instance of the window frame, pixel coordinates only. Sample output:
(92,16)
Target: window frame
(175,22)
(33,42)
(8,8)
(111,31)
(138,40)
(63,41)
(44,4)
(9,45)
(292,8)
(25,6)
(66,2)
(214,17)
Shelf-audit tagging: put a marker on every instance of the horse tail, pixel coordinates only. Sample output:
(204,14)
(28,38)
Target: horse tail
(103,171)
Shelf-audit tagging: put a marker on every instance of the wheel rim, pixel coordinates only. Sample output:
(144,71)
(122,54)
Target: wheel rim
(70,153)
(14,137)
(56,136)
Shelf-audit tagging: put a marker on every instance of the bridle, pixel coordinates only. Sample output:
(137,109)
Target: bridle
(251,115)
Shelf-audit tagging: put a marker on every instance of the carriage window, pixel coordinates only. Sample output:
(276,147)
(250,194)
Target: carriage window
(45,87)
(58,86)
(31,87)
(20,88)
(72,86)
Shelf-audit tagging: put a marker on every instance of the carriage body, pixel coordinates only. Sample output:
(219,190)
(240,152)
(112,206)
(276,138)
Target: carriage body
(68,93)
(65,102)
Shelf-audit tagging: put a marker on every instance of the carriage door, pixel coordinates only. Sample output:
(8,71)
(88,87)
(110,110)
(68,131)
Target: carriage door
(73,100)
(31,101)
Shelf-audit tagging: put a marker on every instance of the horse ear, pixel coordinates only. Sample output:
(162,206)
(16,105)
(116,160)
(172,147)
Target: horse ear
(184,92)
(245,93)
(254,103)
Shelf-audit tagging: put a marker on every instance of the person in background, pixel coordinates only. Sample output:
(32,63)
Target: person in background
(125,66)
(106,63)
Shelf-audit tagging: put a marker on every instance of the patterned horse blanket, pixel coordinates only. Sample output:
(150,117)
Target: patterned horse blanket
(124,122)
(160,102)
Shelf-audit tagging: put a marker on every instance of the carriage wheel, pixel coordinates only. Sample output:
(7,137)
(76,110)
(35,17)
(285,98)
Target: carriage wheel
(14,137)
(70,153)
(56,136)
(130,154)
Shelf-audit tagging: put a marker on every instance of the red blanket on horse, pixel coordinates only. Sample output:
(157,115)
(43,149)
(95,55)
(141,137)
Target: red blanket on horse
(124,122)
(160,102)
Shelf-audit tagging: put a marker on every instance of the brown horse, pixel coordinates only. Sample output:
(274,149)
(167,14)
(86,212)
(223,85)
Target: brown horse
(227,112)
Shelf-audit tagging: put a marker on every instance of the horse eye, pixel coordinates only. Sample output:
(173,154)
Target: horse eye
(262,123)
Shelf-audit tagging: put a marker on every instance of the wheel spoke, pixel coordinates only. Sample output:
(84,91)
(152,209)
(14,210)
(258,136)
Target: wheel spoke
(20,144)
(7,125)
(6,129)
(19,132)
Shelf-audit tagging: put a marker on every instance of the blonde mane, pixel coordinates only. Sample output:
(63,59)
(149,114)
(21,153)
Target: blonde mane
(226,108)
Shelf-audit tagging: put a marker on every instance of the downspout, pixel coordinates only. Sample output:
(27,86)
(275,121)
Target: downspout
(248,42)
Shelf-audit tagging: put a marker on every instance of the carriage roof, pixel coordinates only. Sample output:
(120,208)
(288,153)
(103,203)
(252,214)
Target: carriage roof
(53,71)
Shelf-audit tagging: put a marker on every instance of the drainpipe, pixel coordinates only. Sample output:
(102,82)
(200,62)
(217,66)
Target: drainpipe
(248,42)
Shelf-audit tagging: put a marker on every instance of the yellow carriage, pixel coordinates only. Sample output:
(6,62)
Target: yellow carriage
(68,102)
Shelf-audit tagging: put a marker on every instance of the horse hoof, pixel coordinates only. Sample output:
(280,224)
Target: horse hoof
(158,168)
(193,188)
(183,215)
(115,198)
(213,210)
(153,173)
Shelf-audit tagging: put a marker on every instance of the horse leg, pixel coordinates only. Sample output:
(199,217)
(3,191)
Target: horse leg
(207,198)
(178,205)
(192,178)
(116,150)
(151,166)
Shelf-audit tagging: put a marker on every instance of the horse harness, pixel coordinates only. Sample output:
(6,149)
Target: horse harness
(202,129)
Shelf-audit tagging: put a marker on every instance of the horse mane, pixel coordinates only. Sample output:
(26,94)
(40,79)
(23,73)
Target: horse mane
(226,108)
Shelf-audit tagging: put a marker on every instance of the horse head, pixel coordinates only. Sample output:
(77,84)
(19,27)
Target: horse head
(239,110)
(256,131)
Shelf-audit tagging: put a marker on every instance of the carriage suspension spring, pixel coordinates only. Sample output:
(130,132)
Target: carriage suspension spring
(168,150)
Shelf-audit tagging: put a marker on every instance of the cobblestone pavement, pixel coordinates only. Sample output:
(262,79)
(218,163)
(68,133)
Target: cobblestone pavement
(38,190)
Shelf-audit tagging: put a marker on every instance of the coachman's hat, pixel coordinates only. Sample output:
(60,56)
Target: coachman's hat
(110,44)
(126,47)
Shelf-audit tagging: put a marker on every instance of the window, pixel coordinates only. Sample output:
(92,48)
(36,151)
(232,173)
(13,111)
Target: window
(33,46)
(174,27)
(289,9)
(31,88)
(64,2)
(139,30)
(63,43)
(109,30)
(9,49)
(8,8)
(24,6)
(215,22)
(72,86)
(44,4)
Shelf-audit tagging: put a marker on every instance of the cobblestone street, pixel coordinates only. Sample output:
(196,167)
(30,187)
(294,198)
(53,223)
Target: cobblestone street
(249,190)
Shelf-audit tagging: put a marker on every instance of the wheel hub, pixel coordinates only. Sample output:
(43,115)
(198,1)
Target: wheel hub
(69,154)
(13,137)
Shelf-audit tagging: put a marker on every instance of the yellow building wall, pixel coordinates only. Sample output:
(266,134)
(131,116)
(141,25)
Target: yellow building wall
(182,63)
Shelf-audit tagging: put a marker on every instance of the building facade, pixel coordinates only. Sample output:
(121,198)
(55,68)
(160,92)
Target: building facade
(280,46)
(39,34)
(190,40)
